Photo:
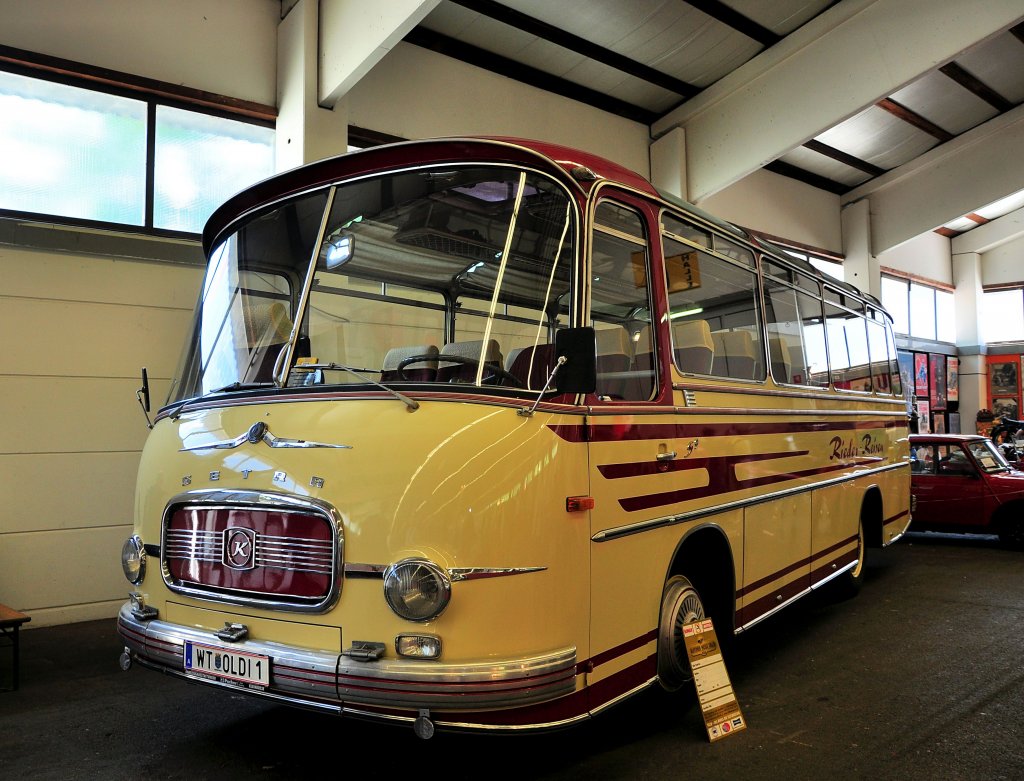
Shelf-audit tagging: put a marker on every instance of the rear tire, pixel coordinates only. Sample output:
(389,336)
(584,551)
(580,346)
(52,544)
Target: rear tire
(680,605)
(848,584)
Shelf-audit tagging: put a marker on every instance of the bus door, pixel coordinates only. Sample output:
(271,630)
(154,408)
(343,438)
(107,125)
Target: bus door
(630,433)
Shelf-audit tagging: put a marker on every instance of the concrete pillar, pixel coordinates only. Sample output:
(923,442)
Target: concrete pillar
(668,162)
(967,297)
(860,267)
(305,130)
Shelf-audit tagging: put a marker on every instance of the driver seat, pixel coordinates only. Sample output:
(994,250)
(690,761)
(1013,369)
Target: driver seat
(449,371)
(420,371)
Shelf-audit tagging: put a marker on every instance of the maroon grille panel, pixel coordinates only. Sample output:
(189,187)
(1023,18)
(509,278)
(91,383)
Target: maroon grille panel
(277,555)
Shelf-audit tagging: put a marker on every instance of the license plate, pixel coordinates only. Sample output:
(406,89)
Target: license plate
(226,664)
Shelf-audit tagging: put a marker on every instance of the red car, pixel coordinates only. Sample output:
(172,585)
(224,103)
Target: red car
(962,483)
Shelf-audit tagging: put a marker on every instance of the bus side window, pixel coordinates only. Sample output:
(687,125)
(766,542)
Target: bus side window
(796,336)
(621,305)
(712,306)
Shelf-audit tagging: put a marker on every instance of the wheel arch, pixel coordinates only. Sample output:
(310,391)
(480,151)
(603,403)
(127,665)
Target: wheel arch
(704,556)
(872,516)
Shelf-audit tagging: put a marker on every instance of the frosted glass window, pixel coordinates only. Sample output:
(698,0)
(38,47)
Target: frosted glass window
(201,161)
(945,315)
(895,300)
(1002,316)
(922,311)
(71,152)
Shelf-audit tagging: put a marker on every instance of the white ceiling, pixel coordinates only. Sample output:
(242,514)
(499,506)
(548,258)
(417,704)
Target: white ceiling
(643,58)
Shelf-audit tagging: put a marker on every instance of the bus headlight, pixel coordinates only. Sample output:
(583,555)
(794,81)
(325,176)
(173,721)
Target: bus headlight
(133,559)
(417,589)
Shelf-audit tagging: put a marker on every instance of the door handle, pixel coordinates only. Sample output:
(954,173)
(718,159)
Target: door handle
(669,456)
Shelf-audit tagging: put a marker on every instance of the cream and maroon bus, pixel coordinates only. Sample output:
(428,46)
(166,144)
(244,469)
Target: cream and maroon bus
(468,429)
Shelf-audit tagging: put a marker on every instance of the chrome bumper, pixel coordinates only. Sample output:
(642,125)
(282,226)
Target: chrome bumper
(328,680)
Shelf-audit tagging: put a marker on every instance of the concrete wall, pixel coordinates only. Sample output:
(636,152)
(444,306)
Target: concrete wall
(781,207)
(417,93)
(227,47)
(78,330)
(927,256)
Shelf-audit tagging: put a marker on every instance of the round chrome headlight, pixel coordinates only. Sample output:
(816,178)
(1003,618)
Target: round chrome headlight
(133,559)
(417,589)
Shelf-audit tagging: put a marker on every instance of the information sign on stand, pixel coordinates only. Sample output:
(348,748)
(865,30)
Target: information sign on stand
(718,703)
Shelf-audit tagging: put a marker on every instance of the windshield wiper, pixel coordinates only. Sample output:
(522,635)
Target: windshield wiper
(235,386)
(412,404)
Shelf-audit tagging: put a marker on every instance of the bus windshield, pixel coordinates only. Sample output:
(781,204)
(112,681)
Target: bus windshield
(458,274)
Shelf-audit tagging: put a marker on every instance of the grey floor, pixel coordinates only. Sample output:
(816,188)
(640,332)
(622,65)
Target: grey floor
(919,677)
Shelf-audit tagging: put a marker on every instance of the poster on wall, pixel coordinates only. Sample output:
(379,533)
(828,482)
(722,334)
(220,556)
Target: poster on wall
(952,379)
(924,415)
(921,375)
(1002,378)
(937,372)
(1005,407)
(954,423)
(939,423)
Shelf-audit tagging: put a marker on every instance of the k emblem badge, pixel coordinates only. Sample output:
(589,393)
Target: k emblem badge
(239,548)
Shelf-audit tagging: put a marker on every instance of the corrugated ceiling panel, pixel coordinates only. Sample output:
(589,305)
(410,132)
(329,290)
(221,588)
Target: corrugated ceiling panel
(780,16)
(879,138)
(999,63)
(814,163)
(942,101)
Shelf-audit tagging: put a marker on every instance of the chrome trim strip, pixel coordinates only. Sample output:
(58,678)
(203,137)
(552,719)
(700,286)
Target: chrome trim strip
(262,434)
(476,573)
(671,520)
(219,498)
(310,677)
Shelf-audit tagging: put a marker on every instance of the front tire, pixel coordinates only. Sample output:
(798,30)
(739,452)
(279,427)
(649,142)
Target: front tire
(680,605)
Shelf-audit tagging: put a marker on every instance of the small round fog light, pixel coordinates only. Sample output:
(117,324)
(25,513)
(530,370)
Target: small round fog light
(417,589)
(133,559)
(418,646)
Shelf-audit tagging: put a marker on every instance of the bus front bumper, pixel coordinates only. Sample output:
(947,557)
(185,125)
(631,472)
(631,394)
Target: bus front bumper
(331,681)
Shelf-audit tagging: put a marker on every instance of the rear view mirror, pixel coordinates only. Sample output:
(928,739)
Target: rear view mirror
(579,372)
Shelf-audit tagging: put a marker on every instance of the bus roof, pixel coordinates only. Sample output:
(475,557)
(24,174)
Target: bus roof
(575,167)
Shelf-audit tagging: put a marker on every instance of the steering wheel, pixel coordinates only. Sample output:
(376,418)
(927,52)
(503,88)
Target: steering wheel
(492,371)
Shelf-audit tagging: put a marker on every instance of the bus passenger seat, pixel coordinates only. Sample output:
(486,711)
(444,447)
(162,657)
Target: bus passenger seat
(613,361)
(531,365)
(450,371)
(778,352)
(420,371)
(694,348)
(734,354)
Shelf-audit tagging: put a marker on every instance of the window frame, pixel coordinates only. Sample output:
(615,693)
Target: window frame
(152,93)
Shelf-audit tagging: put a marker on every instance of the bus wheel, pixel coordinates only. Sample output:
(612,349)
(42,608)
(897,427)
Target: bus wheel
(848,584)
(680,605)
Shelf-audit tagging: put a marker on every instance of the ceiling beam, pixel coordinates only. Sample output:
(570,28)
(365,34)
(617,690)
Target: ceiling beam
(980,166)
(842,157)
(911,117)
(503,66)
(722,13)
(801,175)
(788,94)
(567,40)
(969,82)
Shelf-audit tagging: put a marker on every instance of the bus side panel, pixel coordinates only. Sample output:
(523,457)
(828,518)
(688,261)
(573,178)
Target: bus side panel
(776,555)
(836,512)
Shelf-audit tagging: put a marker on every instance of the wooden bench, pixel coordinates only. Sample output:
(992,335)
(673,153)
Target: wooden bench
(10,622)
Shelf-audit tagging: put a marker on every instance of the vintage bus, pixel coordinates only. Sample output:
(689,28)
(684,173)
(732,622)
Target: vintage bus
(468,429)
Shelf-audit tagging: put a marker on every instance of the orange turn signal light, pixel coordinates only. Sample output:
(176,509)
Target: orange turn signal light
(575,504)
